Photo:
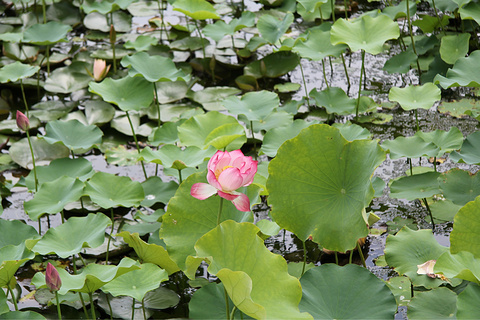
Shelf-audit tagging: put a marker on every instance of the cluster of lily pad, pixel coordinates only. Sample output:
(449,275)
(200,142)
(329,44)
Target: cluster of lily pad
(202,77)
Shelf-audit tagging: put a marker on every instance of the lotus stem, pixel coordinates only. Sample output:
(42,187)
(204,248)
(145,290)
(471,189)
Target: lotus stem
(62,215)
(430,214)
(14,299)
(201,38)
(438,17)
(304,84)
(24,98)
(219,211)
(409,160)
(345,68)
(362,257)
(227,304)
(143,308)
(133,309)
(336,258)
(332,4)
(180,176)
(351,257)
(435,164)
(39,226)
(74,265)
(47,50)
(360,84)
(92,308)
(33,160)
(109,306)
(304,257)
(59,311)
(413,41)
(254,141)
(346,9)
(48,221)
(136,143)
(110,236)
(44,11)
(324,74)
(232,314)
(157,103)
(416,119)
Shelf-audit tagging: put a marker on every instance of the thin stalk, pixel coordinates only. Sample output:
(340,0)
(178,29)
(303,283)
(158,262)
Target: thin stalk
(413,41)
(304,257)
(345,68)
(143,308)
(304,84)
(59,311)
(44,10)
(438,17)
(351,257)
(156,102)
(110,236)
(180,176)
(133,309)
(48,221)
(74,264)
(324,75)
(346,9)
(219,211)
(254,141)
(81,258)
(62,215)
(331,66)
(233,42)
(435,164)
(109,306)
(227,305)
(136,143)
(48,59)
(232,314)
(336,258)
(429,213)
(92,308)
(361,255)
(24,98)
(33,161)
(411,166)
(332,4)
(321,15)
(360,84)
(13,297)
(201,39)
(39,226)
(416,120)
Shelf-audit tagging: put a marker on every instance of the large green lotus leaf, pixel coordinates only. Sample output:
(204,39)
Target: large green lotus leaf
(16,71)
(408,249)
(410,147)
(276,119)
(415,97)
(400,10)
(259,294)
(335,100)
(465,73)
(364,33)
(153,68)
(402,289)
(454,47)
(166,134)
(90,278)
(69,79)
(462,265)
(141,43)
(212,98)
(401,62)
(467,302)
(44,151)
(129,93)
(220,29)
(157,191)
(108,190)
(317,46)
(327,180)
(187,219)
(460,108)
(416,186)
(212,128)
(149,252)
(46,34)
(470,11)
(351,131)
(171,156)
(440,303)
(469,152)
(443,209)
(274,138)
(105,7)
(447,141)
(465,235)
(73,134)
(255,106)
(79,168)
(53,196)
(273,65)
(76,233)
(460,186)
(15,232)
(348,292)
(196,9)
(271,28)
(311,5)
(137,283)
(22,315)
(171,91)
(11,258)
(428,24)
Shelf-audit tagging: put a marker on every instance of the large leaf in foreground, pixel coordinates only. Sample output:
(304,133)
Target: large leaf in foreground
(319,184)
(75,234)
(187,219)
(439,303)
(467,302)
(465,235)
(349,292)
(238,257)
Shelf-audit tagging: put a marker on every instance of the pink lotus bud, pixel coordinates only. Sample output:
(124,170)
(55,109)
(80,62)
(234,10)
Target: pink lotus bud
(227,171)
(52,278)
(22,121)
(100,69)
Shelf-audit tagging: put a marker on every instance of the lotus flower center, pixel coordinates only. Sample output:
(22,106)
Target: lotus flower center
(219,171)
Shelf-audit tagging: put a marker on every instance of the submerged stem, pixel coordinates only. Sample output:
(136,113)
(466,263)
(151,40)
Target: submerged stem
(324,75)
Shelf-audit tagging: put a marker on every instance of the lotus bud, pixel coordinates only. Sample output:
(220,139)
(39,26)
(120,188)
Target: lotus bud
(52,278)
(22,121)
(100,69)
(113,34)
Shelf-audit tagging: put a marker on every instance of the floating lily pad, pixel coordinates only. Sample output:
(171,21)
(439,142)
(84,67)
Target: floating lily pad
(77,232)
(73,134)
(212,98)
(46,34)
(318,46)
(416,186)
(467,308)
(335,100)
(447,141)
(273,65)
(171,91)
(410,147)
(220,29)
(104,7)
(274,138)
(68,79)
(15,71)
(171,156)
(97,21)
(157,191)
(20,152)
(141,43)
(348,292)
(255,106)
(98,112)
(415,97)
(400,63)
(460,186)
(153,68)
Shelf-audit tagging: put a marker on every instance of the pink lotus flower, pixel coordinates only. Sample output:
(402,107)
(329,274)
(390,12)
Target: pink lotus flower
(100,69)
(22,121)
(52,278)
(227,171)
